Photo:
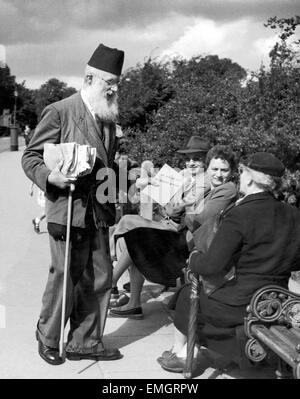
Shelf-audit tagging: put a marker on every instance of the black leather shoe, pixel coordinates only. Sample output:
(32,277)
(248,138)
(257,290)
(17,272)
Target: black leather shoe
(50,355)
(135,313)
(105,354)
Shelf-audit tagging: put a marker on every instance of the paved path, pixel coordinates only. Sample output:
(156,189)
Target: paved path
(5,143)
(24,264)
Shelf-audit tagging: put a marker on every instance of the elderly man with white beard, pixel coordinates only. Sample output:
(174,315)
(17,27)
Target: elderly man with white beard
(87,117)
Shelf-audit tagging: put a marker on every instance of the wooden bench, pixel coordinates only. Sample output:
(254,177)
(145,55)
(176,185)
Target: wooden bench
(273,324)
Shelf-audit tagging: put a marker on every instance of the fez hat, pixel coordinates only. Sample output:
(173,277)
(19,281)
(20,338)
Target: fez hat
(107,59)
(266,163)
(195,144)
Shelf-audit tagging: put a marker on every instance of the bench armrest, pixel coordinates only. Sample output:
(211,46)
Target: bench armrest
(273,322)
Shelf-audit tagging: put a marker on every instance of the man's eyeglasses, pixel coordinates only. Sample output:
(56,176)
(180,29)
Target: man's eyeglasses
(112,82)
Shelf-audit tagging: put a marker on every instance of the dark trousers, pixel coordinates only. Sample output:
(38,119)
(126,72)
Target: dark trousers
(88,292)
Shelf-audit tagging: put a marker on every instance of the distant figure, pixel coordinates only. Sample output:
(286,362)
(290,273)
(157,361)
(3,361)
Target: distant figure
(27,134)
(40,195)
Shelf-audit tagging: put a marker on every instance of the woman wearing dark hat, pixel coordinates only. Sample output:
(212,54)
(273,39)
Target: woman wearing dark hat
(170,217)
(159,255)
(195,181)
(260,237)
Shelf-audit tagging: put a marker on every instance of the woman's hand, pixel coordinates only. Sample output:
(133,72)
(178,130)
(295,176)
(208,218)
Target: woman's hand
(142,182)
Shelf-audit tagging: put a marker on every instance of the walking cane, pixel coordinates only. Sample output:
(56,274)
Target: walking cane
(66,264)
(192,325)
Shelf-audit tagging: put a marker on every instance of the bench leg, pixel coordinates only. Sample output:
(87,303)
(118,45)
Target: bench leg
(283,372)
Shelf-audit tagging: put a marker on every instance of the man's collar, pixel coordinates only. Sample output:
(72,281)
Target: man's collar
(86,102)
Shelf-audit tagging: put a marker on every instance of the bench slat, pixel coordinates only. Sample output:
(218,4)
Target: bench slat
(276,344)
(287,335)
(296,331)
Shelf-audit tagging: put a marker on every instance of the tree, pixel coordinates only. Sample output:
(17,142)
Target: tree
(7,87)
(51,91)
(206,96)
(202,96)
(143,91)
(26,106)
(272,104)
(284,53)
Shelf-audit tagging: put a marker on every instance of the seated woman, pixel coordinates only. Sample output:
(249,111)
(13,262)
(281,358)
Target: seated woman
(159,256)
(169,217)
(190,197)
(260,237)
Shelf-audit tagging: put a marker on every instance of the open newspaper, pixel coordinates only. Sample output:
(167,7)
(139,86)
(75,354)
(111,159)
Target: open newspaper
(166,183)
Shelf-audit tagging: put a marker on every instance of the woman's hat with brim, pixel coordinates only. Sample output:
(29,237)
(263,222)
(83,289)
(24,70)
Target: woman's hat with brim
(266,163)
(196,144)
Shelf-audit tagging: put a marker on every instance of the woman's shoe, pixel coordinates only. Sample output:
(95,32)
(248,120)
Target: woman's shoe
(135,313)
(165,355)
(121,301)
(114,293)
(174,364)
(126,287)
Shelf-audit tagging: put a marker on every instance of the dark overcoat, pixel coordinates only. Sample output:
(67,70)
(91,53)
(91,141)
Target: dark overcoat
(260,236)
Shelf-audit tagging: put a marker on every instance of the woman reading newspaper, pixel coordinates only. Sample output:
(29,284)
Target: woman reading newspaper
(159,255)
(167,217)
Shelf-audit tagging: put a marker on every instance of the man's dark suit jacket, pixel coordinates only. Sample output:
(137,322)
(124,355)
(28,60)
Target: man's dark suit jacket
(66,121)
(261,237)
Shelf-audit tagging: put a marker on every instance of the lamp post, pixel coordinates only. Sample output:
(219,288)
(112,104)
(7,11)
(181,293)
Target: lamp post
(13,128)
(15,106)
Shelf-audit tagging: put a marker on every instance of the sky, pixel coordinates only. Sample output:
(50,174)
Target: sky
(42,39)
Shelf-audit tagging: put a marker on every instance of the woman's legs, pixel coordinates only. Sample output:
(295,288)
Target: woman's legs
(136,278)
(123,262)
(136,286)
(179,341)
(181,323)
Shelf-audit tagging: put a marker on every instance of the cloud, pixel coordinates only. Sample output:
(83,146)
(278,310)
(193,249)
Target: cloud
(68,57)
(54,38)
(36,21)
(245,41)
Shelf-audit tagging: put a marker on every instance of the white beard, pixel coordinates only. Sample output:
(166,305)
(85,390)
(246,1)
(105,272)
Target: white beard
(106,110)
(105,106)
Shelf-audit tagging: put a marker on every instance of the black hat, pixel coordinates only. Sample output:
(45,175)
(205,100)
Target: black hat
(107,59)
(196,144)
(266,163)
